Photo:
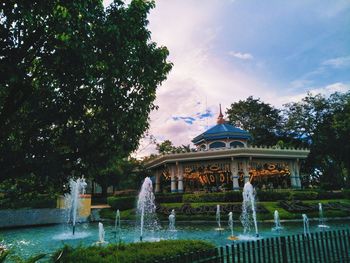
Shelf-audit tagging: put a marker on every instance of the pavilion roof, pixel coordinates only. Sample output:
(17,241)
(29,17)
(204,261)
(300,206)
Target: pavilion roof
(222,131)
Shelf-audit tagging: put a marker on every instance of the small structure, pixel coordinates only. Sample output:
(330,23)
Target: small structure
(225,160)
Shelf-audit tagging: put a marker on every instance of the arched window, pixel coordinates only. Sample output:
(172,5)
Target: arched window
(236,144)
(217,145)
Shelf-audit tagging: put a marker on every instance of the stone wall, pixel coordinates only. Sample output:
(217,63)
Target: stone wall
(31,217)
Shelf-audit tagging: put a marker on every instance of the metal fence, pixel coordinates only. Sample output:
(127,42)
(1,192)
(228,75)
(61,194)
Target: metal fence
(325,246)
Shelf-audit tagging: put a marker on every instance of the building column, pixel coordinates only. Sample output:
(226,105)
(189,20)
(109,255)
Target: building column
(173,179)
(294,174)
(234,174)
(297,173)
(158,175)
(245,171)
(180,176)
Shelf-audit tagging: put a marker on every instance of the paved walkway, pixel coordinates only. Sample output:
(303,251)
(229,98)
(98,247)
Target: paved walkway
(100,206)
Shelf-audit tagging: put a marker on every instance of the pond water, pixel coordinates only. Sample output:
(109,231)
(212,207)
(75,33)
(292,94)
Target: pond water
(26,242)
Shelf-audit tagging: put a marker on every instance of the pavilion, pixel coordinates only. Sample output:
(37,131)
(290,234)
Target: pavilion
(225,160)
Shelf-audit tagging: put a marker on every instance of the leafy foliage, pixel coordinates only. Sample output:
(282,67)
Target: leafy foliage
(316,122)
(168,147)
(135,252)
(78,83)
(261,119)
(322,124)
(122,203)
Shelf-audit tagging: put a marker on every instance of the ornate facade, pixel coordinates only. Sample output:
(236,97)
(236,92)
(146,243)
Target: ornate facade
(224,160)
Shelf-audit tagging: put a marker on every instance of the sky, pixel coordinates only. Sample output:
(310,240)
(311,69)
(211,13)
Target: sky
(226,50)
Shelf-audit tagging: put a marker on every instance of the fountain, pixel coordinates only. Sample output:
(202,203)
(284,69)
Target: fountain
(306,225)
(218,219)
(117,227)
(72,200)
(101,235)
(230,225)
(172,218)
(248,205)
(146,208)
(278,226)
(321,219)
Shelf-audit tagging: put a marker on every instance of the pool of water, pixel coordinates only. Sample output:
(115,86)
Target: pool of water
(26,242)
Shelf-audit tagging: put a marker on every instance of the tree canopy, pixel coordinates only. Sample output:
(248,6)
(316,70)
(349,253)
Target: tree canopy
(78,82)
(317,122)
(322,124)
(168,147)
(261,119)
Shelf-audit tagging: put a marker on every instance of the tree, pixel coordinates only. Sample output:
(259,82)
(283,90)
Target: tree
(165,147)
(304,117)
(78,83)
(261,119)
(322,124)
(168,147)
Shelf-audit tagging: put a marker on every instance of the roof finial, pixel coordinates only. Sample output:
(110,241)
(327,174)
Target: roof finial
(220,117)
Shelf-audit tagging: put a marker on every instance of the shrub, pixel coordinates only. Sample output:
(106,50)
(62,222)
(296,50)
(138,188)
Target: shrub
(331,195)
(272,195)
(231,196)
(126,192)
(169,198)
(122,203)
(346,194)
(303,195)
(39,201)
(145,252)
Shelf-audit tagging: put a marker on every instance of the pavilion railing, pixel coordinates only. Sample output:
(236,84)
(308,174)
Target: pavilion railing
(325,246)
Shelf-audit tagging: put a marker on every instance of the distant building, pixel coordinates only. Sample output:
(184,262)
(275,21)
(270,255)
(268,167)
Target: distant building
(224,160)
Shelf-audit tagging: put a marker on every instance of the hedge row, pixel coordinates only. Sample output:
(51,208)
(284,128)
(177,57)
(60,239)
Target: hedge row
(41,201)
(231,196)
(169,198)
(236,196)
(129,202)
(122,203)
(145,252)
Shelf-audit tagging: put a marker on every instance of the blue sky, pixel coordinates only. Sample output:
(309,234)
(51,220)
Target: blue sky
(227,50)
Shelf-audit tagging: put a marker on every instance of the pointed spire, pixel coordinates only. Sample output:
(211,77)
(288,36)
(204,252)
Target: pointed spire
(221,119)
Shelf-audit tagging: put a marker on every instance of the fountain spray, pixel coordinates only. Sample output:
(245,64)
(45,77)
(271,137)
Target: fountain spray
(306,225)
(249,204)
(321,220)
(146,208)
(277,221)
(72,200)
(172,219)
(101,233)
(218,219)
(117,226)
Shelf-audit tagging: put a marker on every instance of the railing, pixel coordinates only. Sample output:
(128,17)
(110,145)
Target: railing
(325,246)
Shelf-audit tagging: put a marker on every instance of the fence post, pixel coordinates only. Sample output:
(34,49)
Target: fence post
(233,253)
(227,254)
(222,257)
(239,252)
(284,249)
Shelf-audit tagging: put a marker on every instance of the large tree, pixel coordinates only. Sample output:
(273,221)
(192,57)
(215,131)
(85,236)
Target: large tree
(321,123)
(261,119)
(78,82)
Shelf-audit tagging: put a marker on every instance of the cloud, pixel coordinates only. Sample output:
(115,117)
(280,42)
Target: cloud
(207,41)
(332,88)
(325,90)
(243,56)
(339,62)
